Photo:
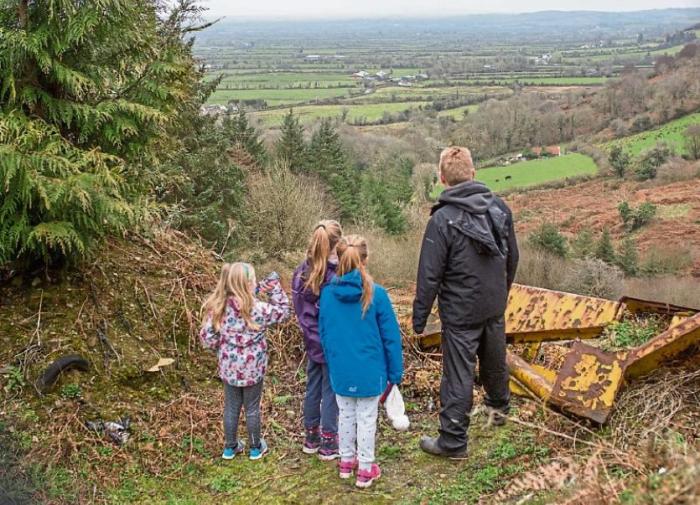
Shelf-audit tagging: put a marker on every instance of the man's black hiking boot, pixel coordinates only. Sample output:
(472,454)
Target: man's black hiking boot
(431,446)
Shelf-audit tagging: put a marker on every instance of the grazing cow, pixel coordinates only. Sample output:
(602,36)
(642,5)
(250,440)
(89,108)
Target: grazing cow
(498,180)
(508,177)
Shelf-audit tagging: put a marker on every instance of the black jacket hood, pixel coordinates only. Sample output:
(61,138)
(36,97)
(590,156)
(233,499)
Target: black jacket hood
(471,196)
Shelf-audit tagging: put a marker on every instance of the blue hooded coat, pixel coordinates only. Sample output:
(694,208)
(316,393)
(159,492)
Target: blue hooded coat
(363,353)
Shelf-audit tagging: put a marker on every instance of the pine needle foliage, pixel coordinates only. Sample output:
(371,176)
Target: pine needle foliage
(89,92)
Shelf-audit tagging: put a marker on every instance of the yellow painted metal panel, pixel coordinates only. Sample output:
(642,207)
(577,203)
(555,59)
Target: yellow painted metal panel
(537,312)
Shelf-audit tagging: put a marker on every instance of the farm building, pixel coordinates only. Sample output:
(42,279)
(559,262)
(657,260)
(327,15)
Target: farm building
(550,150)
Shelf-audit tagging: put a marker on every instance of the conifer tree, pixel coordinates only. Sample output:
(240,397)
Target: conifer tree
(245,136)
(628,257)
(328,159)
(326,154)
(291,147)
(583,245)
(88,92)
(604,248)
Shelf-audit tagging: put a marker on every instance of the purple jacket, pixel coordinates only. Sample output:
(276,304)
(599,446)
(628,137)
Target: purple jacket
(306,308)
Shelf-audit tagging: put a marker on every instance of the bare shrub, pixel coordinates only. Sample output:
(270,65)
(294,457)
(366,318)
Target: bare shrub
(666,261)
(593,277)
(677,169)
(394,259)
(423,176)
(541,269)
(671,289)
(282,209)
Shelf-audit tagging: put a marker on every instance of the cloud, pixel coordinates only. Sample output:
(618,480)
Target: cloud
(306,9)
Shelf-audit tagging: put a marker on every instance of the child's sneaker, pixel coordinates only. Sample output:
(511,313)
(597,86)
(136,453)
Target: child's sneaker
(346,468)
(329,447)
(366,477)
(258,452)
(230,452)
(312,441)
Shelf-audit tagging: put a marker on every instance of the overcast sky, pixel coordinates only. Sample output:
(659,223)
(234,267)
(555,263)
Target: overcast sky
(306,9)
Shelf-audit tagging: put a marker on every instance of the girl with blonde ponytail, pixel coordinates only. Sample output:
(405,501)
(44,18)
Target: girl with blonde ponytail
(312,275)
(362,343)
(234,326)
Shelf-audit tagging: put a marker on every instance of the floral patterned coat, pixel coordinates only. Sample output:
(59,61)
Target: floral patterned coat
(242,351)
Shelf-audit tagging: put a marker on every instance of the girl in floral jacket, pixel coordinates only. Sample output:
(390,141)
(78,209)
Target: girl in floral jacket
(234,326)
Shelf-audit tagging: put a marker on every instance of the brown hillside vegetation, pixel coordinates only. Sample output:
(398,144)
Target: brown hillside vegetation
(593,205)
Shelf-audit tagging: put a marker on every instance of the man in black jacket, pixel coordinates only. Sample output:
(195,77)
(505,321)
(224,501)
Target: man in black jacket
(468,261)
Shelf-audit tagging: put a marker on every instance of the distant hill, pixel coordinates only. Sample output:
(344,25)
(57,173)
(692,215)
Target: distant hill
(569,25)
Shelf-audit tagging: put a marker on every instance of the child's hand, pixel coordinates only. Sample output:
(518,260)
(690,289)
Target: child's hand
(266,285)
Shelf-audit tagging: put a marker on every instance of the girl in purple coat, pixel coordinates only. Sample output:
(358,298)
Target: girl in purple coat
(320,408)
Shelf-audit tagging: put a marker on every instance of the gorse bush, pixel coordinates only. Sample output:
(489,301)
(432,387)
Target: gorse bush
(619,160)
(634,218)
(88,91)
(548,238)
(649,161)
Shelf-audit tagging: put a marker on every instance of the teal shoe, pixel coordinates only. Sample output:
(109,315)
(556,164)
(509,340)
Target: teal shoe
(230,452)
(258,452)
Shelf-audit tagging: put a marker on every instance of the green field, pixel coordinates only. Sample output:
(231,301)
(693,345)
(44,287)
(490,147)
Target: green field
(671,133)
(546,80)
(534,172)
(277,96)
(458,113)
(285,79)
(366,112)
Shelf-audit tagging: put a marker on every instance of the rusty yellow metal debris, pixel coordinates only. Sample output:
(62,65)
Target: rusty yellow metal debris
(538,315)
(663,347)
(589,379)
(528,379)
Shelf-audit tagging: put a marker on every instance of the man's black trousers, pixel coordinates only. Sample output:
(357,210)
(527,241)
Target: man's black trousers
(460,348)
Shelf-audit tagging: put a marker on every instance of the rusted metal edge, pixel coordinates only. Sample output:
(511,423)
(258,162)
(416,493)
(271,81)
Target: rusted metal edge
(640,305)
(665,346)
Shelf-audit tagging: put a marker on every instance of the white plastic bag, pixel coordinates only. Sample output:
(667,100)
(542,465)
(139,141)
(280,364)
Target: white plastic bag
(396,410)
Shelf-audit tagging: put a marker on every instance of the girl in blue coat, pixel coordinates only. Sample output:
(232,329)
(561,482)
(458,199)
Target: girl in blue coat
(362,344)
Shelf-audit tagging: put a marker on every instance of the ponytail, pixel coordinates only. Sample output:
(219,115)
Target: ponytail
(323,240)
(353,253)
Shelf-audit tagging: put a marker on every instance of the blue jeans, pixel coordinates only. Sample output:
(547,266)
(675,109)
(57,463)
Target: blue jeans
(320,407)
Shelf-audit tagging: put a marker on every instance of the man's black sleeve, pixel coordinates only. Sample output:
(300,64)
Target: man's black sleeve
(513,252)
(431,267)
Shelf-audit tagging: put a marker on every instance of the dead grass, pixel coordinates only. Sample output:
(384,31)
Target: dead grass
(672,289)
(542,269)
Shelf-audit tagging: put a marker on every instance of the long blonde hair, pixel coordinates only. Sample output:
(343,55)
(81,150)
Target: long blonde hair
(237,281)
(353,254)
(323,240)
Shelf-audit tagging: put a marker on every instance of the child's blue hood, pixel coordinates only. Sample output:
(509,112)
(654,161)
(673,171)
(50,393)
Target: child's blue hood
(348,288)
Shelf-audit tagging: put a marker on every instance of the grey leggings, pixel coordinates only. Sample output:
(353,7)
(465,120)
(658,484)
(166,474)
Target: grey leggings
(235,398)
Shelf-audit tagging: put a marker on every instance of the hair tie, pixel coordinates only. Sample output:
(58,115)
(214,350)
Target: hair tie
(352,245)
(320,226)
